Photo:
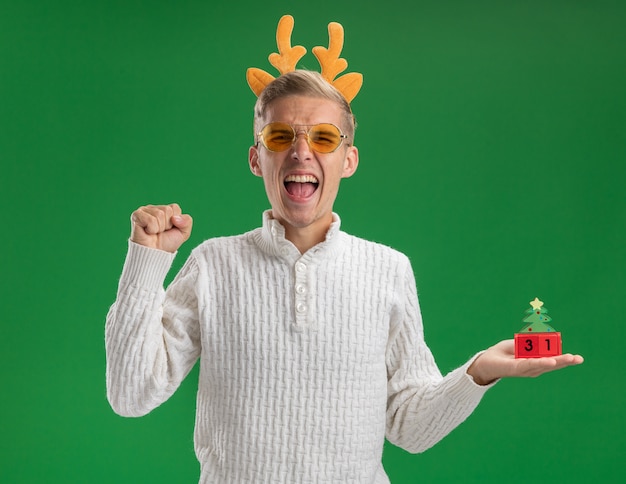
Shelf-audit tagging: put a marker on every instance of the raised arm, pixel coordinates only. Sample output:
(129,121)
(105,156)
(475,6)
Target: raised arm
(152,335)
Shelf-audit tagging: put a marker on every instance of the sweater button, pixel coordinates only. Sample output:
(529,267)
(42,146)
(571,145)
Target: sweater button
(301,308)
(300,289)
(300,267)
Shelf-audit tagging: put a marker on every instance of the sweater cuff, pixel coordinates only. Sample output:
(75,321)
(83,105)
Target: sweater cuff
(470,378)
(146,267)
(464,386)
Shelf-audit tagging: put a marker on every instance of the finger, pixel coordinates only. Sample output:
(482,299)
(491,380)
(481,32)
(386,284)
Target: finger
(176,210)
(568,360)
(157,221)
(167,217)
(539,366)
(153,219)
(164,215)
(142,218)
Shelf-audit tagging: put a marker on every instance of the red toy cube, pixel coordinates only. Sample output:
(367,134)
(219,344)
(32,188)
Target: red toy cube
(537,345)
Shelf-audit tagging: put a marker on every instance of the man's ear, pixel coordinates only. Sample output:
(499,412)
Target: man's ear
(253,161)
(351,162)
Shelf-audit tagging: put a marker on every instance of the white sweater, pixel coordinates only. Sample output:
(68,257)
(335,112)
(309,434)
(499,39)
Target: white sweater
(307,362)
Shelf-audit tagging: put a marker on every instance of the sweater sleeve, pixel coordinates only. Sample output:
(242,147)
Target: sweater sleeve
(423,406)
(151,335)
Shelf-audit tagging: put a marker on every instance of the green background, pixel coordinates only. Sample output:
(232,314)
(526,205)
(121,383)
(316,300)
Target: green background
(492,138)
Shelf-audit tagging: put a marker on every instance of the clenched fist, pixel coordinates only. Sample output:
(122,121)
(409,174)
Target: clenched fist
(162,227)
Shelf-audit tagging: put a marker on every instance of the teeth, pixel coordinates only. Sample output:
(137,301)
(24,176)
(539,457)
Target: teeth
(301,179)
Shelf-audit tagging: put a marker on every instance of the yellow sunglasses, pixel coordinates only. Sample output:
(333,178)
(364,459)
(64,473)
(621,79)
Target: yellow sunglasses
(323,138)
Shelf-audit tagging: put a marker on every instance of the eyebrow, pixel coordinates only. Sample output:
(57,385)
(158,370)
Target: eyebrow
(325,131)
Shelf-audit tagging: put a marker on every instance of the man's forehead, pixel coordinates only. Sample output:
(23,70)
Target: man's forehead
(304,110)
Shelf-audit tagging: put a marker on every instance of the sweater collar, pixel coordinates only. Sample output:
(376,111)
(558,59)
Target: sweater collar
(271,238)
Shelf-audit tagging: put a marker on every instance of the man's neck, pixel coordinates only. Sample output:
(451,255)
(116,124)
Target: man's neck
(305,238)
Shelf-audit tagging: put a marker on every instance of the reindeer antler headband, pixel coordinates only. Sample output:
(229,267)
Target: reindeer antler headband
(288,56)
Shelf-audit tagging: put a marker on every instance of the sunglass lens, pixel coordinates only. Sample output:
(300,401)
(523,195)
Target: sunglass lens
(277,136)
(324,138)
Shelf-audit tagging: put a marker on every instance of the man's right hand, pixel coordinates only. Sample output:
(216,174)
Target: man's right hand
(162,227)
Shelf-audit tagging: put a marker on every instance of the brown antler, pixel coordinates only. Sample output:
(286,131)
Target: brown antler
(285,61)
(349,84)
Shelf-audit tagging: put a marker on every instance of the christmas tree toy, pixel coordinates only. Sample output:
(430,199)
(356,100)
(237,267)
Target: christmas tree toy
(537,339)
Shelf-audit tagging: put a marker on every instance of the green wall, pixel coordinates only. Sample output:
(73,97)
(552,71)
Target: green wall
(493,152)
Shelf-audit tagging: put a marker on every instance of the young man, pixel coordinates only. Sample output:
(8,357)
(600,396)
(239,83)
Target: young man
(310,340)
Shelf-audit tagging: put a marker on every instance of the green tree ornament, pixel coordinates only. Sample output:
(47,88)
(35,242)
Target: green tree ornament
(537,319)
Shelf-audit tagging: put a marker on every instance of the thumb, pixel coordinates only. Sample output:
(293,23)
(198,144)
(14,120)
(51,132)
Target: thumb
(183,223)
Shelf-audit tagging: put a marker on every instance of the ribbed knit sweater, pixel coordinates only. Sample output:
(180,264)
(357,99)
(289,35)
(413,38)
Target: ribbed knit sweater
(307,361)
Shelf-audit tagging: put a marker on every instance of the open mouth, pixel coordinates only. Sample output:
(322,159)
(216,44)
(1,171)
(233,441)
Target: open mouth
(301,186)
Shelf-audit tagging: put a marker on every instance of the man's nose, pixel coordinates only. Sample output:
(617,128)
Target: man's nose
(301,145)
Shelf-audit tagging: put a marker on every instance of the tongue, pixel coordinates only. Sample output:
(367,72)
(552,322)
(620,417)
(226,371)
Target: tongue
(300,190)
